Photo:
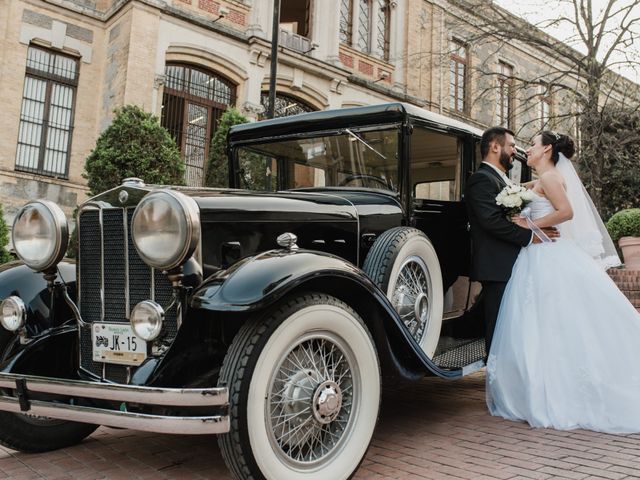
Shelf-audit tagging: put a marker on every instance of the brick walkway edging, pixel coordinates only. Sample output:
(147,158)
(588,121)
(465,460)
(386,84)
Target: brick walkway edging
(628,281)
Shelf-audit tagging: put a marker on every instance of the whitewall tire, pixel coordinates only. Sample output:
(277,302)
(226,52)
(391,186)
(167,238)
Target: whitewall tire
(404,264)
(304,392)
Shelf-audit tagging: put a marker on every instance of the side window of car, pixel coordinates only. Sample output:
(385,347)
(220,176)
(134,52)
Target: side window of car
(257,171)
(436,160)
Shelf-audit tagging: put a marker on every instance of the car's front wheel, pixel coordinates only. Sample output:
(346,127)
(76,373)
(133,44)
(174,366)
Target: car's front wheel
(30,433)
(304,388)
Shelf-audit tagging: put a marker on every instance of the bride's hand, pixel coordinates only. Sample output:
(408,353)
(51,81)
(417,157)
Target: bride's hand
(520,221)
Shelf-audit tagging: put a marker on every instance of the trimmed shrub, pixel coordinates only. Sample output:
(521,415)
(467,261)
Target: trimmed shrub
(5,256)
(625,223)
(218,167)
(134,145)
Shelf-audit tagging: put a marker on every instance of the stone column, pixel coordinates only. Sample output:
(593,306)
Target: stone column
(397,42)
(260,19)
(258,68)
(325,30)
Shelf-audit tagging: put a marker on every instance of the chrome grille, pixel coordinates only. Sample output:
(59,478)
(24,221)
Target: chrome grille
(109,263)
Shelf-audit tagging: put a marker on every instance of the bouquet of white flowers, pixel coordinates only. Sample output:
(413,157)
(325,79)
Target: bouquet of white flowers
(513,198)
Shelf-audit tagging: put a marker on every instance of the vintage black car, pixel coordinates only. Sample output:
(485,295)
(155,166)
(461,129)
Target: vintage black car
(269,313)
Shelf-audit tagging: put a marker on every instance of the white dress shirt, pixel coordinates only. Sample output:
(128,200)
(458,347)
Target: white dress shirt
(508,181)
(501,173)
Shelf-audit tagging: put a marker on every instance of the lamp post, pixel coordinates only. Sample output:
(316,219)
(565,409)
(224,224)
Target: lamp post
(275,34)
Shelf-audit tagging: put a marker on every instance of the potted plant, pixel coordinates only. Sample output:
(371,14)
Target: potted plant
(624,228)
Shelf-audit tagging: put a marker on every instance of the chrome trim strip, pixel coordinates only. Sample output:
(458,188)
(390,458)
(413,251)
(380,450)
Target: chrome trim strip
(185,397)
(127,300)
(152,285)
(102,306)
(111,418)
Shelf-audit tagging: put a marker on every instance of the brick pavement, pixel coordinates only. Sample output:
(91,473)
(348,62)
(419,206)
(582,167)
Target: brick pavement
(434,429)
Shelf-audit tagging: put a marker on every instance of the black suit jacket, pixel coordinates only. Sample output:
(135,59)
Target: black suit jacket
(496,240)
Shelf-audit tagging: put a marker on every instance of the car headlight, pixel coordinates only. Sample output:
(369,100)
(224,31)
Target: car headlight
(166,229)
(146,320)
(12,313)
(40,234)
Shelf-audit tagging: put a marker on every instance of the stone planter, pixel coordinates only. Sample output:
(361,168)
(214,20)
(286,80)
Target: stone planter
(630,247)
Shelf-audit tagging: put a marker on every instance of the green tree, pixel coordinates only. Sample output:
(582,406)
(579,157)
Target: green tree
(4,239)
(134,145)
(621,180)
(602,36)
(218,167)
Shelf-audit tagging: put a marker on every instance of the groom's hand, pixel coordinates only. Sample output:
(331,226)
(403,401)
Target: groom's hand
(551,232)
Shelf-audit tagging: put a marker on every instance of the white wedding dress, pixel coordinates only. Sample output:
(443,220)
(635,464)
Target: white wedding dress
(565,353)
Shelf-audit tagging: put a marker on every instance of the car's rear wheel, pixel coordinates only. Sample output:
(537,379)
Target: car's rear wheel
(404,264)
(304,389)
(30,433)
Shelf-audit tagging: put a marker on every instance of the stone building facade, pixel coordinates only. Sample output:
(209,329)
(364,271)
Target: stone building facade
(66,64)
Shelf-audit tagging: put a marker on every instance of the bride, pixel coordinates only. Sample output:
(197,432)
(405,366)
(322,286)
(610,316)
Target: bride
(565,350)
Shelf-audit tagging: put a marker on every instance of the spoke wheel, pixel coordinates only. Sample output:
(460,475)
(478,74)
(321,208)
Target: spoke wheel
(409,295)
(305,390)
(404,264)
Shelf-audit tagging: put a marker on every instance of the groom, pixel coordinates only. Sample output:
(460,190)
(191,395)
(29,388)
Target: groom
(496,240)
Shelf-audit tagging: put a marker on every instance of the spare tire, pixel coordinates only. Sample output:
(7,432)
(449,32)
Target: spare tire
(404,264)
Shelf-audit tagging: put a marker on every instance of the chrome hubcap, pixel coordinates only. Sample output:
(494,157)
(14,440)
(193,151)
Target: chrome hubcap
(410,296)
(421,308)
(327,402)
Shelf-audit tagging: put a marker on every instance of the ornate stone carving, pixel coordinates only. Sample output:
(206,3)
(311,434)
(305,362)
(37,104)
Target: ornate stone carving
(252,109)
(159,80)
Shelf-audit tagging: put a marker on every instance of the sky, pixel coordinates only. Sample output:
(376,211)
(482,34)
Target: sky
(537,11)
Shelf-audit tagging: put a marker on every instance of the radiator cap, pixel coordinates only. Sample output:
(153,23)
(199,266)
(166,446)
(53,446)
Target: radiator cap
(133,182)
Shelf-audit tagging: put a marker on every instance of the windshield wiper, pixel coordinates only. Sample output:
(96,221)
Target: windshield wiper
(365,143)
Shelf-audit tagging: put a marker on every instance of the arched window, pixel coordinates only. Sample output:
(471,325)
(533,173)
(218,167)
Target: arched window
(285,105)
(192,104)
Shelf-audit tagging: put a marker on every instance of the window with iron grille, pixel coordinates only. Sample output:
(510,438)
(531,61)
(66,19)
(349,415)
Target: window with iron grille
(458,76)
(192,104)
(506,94)
(346,24)
(363,39)
(46,116)
(382,29)
(367,27)
(285,105)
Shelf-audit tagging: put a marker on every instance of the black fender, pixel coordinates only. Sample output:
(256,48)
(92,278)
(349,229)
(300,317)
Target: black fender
(45,310)
(53,354)
(256,283)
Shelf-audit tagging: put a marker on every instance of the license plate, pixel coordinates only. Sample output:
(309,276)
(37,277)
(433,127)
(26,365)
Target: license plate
(116,343)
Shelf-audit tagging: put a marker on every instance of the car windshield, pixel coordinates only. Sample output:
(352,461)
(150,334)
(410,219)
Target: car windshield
(351,158)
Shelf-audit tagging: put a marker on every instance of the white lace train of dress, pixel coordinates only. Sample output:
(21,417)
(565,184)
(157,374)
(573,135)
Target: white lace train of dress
(565,351)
